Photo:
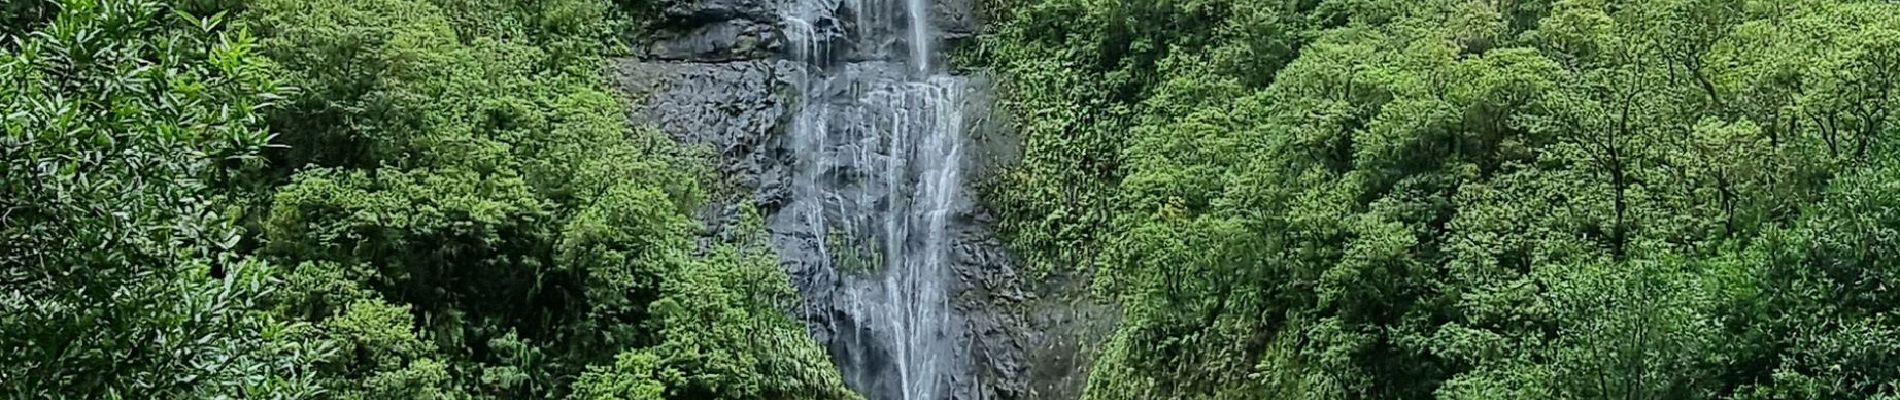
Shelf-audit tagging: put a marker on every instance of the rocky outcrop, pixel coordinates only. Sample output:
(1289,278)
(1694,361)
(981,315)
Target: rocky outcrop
(738,108)
(715,73)
(713,31)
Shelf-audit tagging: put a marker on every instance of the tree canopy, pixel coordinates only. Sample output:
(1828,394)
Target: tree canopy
(362,199)
(1567,199)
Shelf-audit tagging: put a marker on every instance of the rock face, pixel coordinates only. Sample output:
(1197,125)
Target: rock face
(743,77)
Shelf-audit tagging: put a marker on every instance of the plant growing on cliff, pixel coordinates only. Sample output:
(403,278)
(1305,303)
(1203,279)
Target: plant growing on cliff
(852,257)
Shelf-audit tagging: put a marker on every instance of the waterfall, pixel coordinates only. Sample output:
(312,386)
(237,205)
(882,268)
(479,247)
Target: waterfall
(877,143)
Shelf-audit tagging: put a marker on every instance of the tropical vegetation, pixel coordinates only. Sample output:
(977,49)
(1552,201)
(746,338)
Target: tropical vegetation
(362,199)
(1287,199)
(1465,199)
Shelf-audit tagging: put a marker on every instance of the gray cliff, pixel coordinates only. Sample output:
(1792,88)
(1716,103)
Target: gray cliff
(724,74)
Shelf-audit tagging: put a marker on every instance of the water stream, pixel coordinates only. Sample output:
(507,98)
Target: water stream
(877,143)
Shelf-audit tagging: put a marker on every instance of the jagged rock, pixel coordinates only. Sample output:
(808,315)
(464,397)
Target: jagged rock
(713,31)
(733,107)
(705,11)
(715,42)
(720,73)
(955,18)
(996,145)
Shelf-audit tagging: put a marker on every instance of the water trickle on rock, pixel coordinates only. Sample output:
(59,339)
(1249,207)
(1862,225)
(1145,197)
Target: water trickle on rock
(877,149)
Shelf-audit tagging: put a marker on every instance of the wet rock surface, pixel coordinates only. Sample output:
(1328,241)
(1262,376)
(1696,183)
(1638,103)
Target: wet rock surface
(717,73)
(737,108)
(712,31)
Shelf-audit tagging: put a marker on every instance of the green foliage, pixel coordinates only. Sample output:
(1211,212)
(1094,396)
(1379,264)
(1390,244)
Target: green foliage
(725,333)
(125,123)
(853,258)
(465,159)
(444,200)
(633,376)
(20,17)
(1463,199)
(379,356)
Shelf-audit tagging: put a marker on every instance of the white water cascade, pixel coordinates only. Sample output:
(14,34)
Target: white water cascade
(877,147)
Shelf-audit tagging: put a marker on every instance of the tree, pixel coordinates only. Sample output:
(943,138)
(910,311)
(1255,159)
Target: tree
(129,120)
(1460,199)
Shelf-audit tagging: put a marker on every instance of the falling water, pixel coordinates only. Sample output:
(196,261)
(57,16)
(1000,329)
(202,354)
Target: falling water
(877,142)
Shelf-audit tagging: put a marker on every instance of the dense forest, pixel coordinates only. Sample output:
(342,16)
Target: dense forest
(1465,199)
(361,199)
(1287,199)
